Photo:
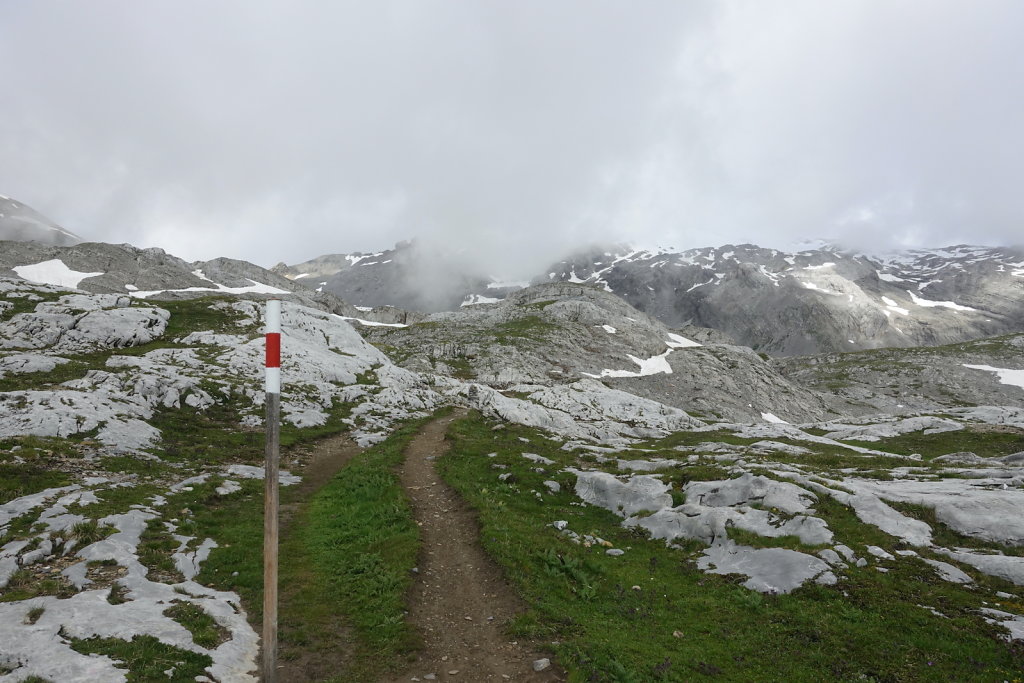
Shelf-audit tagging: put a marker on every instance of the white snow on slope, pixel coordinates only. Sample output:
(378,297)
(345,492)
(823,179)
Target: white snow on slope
(823,290)
(679,342)
(892,306)
(368,323)
(934,304)
(1012,377)
(609,329)
(774,419)
(52,272)
(475,299)
(648,366)
(254,288)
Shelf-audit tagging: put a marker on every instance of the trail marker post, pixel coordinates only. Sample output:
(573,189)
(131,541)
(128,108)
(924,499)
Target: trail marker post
(273,430)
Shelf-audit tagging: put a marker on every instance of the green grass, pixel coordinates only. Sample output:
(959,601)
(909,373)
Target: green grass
(39,381)
(22,585)
(205,631)
(146,658)
(583,604)
(527,328)
(211,436)
(981,441)
(90,531)
(461,368)
(362,541)
(22,304)
(20,480)
(156,546)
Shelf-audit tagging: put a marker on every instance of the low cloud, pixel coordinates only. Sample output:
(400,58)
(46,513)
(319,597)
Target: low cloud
(513,131)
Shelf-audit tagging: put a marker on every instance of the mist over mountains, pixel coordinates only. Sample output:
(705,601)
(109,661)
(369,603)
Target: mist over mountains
(817,297)
(19,221)
(824,298)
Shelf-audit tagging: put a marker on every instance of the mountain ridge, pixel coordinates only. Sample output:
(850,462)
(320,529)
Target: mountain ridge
(825,299)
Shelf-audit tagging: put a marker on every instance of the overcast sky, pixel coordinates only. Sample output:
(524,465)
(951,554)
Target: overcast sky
(282,131)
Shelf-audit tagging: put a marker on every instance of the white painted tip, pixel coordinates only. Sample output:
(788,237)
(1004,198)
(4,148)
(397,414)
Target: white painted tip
(273,315)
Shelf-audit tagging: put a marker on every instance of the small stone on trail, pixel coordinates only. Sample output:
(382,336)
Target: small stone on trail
(430,677)
(541,664)
(453,672)
(468,618)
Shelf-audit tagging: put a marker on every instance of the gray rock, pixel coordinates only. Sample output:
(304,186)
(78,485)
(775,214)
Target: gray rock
(1009,567)
(948,572)
(747,489)
(640,493)
(770,570)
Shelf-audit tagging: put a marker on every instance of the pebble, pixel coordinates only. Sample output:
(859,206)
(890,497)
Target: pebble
(541,664)
(430,677)
(453,672)
(614,552)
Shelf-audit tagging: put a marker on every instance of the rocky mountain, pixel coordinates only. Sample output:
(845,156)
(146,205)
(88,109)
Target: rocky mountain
(23,223)
(783,303)
(563,333)
(822,299)
(102,268)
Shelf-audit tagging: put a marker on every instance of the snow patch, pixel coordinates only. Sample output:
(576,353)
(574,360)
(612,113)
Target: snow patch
(1014,378)
(368,323)
(475,299)
(676,341)
(654,365)
(53,272)
(925,303)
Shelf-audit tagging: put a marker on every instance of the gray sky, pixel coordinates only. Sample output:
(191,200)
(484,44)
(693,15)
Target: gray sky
(282,131)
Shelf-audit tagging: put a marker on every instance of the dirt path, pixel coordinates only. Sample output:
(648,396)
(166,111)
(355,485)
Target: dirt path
(460,602)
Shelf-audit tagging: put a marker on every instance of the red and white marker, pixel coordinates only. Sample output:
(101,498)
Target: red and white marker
(270,507)
(273,383)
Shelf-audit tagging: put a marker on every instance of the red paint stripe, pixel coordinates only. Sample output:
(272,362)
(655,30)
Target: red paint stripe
(273,349)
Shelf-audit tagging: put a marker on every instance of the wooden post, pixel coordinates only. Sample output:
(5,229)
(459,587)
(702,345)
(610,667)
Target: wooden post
(270,507)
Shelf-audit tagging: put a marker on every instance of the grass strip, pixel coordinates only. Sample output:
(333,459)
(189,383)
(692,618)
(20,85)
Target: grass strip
(363,543)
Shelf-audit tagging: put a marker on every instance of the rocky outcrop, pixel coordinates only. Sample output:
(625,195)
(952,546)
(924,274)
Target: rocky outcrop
(559,333)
